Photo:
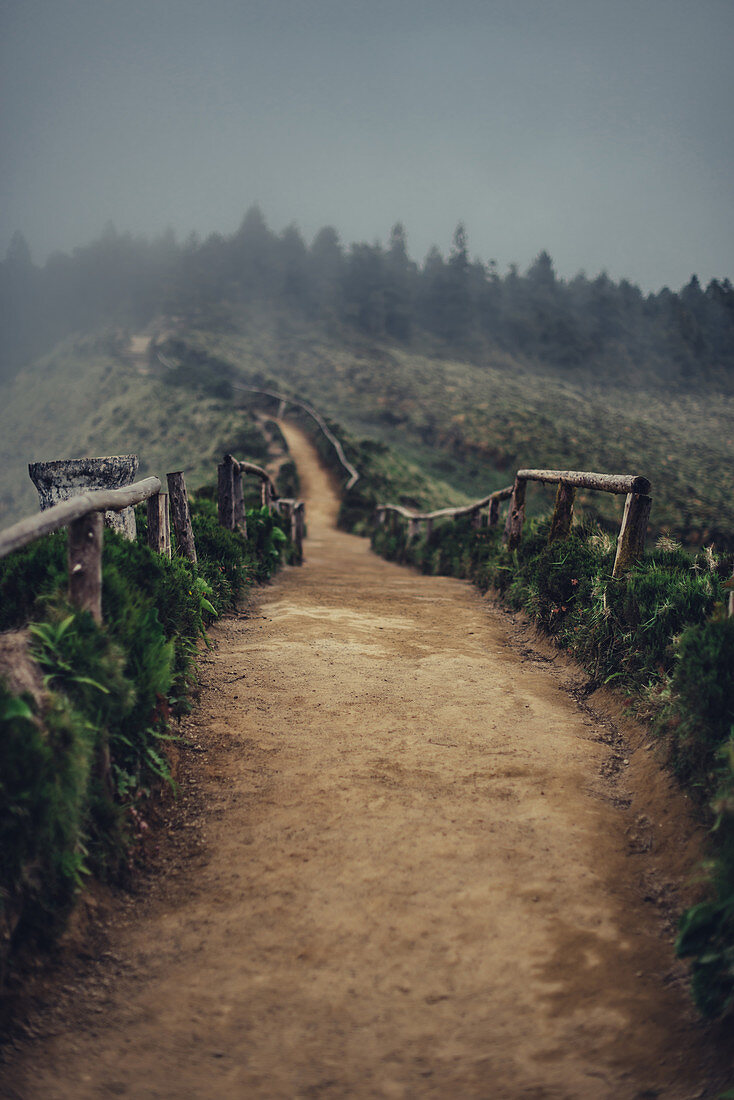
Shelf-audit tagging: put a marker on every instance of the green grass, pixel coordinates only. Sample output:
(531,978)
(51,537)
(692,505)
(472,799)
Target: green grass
(77,765)
(475,424)
(87,399)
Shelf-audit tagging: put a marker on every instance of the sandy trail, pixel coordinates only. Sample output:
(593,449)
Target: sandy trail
(411,878)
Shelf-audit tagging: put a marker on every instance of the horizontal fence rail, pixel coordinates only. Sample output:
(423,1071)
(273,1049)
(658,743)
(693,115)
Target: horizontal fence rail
(67,511)
(605,483)
(631,540)
(492,501)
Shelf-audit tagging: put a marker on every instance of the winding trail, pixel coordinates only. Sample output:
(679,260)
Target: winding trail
(410,873)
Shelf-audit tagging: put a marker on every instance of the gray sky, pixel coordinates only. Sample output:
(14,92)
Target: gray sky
(599,131)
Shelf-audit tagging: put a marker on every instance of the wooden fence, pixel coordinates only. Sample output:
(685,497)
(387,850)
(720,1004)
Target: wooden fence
(82,514)
(631,540)
(284,401)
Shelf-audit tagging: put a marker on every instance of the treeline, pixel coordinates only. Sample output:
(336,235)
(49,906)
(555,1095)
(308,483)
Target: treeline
(455,304)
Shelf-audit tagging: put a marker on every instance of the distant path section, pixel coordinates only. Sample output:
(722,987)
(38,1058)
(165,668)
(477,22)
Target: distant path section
(411,879)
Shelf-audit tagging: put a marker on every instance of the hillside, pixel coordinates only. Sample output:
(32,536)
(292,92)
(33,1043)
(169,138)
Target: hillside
(473,424)
(91,396)
(466,425)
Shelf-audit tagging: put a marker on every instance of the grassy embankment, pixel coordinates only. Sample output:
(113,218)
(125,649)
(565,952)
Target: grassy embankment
(86,711)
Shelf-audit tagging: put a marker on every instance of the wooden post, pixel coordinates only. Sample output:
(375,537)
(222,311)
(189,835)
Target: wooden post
(632,533)
(476,519)
(299,513)
(281,409)
(413,528)
(225,493)
(181,516)
(515,514)
(563,514)
(493,515)
(429,528)
(159,529)
(240,519)
(85,563)
(380,517)
(265,495)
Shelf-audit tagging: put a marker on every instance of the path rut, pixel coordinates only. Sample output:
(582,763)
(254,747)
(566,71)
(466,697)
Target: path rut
(410,877)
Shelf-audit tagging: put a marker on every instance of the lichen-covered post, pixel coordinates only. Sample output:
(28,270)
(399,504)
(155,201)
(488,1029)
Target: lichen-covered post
(299,514)
(181,516)
(563,512)
(515,514)
(225,493)
(159,528)
(632,533)
(85,563)
(240,518)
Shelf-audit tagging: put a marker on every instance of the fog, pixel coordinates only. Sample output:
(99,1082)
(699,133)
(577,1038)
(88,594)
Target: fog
(599,132)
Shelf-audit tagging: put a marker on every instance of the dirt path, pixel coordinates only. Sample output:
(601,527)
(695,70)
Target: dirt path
(411,878)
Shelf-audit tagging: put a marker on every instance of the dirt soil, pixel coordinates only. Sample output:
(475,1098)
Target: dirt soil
(414,862)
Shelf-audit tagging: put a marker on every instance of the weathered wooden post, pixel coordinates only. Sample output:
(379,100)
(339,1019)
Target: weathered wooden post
(429,527)
(265,495)
(181,516)
(225,493)
(515,514)
(493,515)
(632,533)
(240,518)
(413,527)
(476,519)
(159,528)
(379,517)
(85,563)
(299,513)
(563,513)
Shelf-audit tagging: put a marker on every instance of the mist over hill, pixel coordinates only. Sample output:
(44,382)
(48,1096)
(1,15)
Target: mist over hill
(451,305)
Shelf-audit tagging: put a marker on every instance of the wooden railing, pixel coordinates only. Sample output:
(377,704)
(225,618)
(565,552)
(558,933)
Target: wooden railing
(631,540)
(492,502)
(231,503)
(83,515)
(284,401)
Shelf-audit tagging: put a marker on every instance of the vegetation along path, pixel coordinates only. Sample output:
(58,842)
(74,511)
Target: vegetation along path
(416,873)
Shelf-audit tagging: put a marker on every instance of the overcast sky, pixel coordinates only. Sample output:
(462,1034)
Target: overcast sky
(600,131)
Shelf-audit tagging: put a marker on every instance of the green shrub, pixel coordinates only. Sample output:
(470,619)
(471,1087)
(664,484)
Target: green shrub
(74,778)
(45,773)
